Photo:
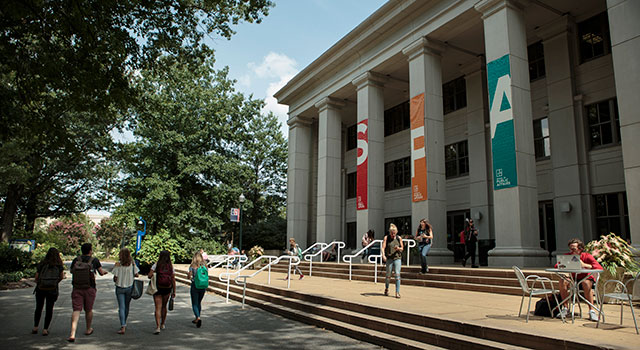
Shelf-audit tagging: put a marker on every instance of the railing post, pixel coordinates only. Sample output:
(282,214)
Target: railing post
(289,275)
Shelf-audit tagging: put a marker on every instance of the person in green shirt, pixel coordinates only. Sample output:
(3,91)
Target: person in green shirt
(392,248)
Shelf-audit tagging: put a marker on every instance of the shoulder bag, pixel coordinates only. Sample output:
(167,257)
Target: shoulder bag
(138,285)
(151,288)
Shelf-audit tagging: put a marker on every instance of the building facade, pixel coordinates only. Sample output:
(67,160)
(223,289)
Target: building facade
(516,113)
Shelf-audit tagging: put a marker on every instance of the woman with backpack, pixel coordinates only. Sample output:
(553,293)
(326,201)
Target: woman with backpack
(295,250)
(48,274)
(199,276)
(124,273)
(166,285)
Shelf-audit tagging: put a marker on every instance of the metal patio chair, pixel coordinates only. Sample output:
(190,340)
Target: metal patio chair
(625,295)
(533,291)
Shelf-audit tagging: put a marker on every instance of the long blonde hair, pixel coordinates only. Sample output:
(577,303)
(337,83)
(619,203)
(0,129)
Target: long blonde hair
(197,260)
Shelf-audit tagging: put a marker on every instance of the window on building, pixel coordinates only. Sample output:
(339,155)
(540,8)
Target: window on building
(403,223)
(396,119)
(456,159)
(604,124)
(454,95)
(593,37)
(352,182)
(397,174)
(541,138)
(547,226)
(352,137)
(455,224)
(536,61)
(352,235)
(612,214)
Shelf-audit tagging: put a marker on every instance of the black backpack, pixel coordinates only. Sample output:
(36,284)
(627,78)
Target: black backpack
(48,277)
(82,273)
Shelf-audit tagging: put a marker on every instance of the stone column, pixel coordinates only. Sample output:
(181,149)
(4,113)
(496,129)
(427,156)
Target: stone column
(479,185)
(428,183)
(298,177)
(567,203)
(515,191)
(625,48)
(329,176)
(370,156)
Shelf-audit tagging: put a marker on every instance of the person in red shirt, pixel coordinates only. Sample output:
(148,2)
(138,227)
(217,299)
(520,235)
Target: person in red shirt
(576,247)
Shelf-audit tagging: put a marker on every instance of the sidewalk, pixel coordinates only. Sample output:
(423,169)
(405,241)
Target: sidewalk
(486,309)
(224,325)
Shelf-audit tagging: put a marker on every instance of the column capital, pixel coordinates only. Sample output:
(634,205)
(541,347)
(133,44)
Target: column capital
(297,120)
(489,7)
(473,67)
(563,24)
(329,102)
(424,46)
(369,78)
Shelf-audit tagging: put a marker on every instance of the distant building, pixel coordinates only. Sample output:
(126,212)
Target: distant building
(519,114)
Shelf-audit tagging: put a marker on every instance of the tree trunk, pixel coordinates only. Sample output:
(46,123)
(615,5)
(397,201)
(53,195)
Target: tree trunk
(9,212)
(31,213)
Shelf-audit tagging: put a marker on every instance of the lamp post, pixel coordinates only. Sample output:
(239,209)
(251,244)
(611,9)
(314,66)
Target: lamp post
(241,199)
(141,221)
(124,233)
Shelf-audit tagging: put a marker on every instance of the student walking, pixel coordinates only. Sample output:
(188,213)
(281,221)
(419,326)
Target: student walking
(367,238)
(124,273)
(83,269)
(392,254)
(49,273)
(470,239)
(199,276)
(424,236)
(294,249)
(166,285)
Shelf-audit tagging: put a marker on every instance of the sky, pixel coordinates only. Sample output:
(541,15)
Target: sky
(264,57)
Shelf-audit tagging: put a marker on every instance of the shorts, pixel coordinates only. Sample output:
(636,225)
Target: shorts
(163,291)
(83,298)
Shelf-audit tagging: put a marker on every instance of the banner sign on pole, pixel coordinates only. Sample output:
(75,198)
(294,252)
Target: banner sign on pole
(418,155)
(362,164)
(235,215)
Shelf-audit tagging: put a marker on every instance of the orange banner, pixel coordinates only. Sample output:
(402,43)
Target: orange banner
(418,155)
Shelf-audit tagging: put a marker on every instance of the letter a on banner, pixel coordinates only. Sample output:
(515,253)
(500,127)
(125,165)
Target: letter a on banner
(362,164)
(418,157)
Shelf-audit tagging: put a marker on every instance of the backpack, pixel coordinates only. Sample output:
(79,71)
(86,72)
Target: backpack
(201,278)
(48,277)
(542,307)
(164,277)
(82,273)
(299,252)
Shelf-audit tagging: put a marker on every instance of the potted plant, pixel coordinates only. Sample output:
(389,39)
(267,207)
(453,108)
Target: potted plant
(616,257)
(254,253)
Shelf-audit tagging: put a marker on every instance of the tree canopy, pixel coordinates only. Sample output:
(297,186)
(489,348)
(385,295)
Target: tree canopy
(66,81)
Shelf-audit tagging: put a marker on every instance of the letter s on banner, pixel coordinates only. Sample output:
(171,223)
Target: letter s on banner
(362,164)
(418,155)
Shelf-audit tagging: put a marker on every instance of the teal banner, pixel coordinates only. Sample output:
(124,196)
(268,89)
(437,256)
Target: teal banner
(503,145)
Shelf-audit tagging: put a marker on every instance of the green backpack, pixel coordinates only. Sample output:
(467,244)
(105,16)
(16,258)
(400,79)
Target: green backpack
(201,278)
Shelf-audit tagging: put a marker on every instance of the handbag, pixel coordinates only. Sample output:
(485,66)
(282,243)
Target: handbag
(170,304)
(151,288)
(138,286)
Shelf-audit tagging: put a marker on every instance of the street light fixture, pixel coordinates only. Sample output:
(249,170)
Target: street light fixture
(241,199)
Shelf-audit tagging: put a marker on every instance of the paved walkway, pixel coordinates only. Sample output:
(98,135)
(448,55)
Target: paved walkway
(224,325)
(486,309)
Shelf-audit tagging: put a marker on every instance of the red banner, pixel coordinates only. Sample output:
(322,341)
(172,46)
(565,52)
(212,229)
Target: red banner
(418,156)
(362,164)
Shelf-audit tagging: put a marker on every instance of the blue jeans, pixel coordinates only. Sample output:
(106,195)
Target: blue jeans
(424,250)
(396,264)
(196,299)
(124,298)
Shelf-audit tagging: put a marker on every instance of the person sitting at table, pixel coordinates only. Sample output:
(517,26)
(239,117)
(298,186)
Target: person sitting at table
(587,261)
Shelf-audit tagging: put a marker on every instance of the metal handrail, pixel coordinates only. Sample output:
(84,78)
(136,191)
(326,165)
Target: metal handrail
(293,260)
(227,259)
(349,258)
(410,244)
(309,257)
(225,276)
(321,244)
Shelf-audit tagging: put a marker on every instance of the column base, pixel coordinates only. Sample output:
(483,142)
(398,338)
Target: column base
(440,256)
(519,256)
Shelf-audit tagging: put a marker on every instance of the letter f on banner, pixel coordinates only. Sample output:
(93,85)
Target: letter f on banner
(362,164)
(418,154)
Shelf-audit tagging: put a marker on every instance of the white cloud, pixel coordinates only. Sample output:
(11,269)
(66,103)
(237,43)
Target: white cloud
(277,70)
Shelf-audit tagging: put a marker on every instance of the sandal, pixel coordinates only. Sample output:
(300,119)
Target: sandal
(45,332)
(71,340)
(397,295)
(121,331)
(34,331)
(89,331)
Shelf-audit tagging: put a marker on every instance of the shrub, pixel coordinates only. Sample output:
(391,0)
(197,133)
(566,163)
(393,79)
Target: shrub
(152,245)
(69,235)
(612,252)
(211,247)
(10,277)
(12,260)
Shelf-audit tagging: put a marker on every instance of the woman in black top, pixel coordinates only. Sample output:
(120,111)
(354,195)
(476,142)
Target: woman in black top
(49,273)
(424,235)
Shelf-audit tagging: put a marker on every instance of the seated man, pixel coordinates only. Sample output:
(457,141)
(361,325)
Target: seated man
(576,247)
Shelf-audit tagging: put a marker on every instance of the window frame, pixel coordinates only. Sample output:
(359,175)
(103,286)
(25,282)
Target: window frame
(536,63)
(601,22)
(620,200)
(542,137)
(457,160)
(454,95)
(351,189)
(397,118)
(613,123)
(352,137)
(403,164)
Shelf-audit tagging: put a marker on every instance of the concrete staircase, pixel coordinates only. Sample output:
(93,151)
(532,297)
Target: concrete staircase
(500,281)
(380,325)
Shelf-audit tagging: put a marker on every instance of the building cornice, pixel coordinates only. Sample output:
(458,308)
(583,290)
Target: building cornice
(424,46)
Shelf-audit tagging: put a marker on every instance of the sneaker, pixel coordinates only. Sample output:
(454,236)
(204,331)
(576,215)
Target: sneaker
(475,266)
(301,276)
(157,331)
(563,313)
(593,315)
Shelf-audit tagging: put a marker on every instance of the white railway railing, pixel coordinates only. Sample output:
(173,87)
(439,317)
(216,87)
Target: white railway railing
(309,257)
(226,276)
(293,260)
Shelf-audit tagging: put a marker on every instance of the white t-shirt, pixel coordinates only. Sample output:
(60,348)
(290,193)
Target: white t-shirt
(125,275)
